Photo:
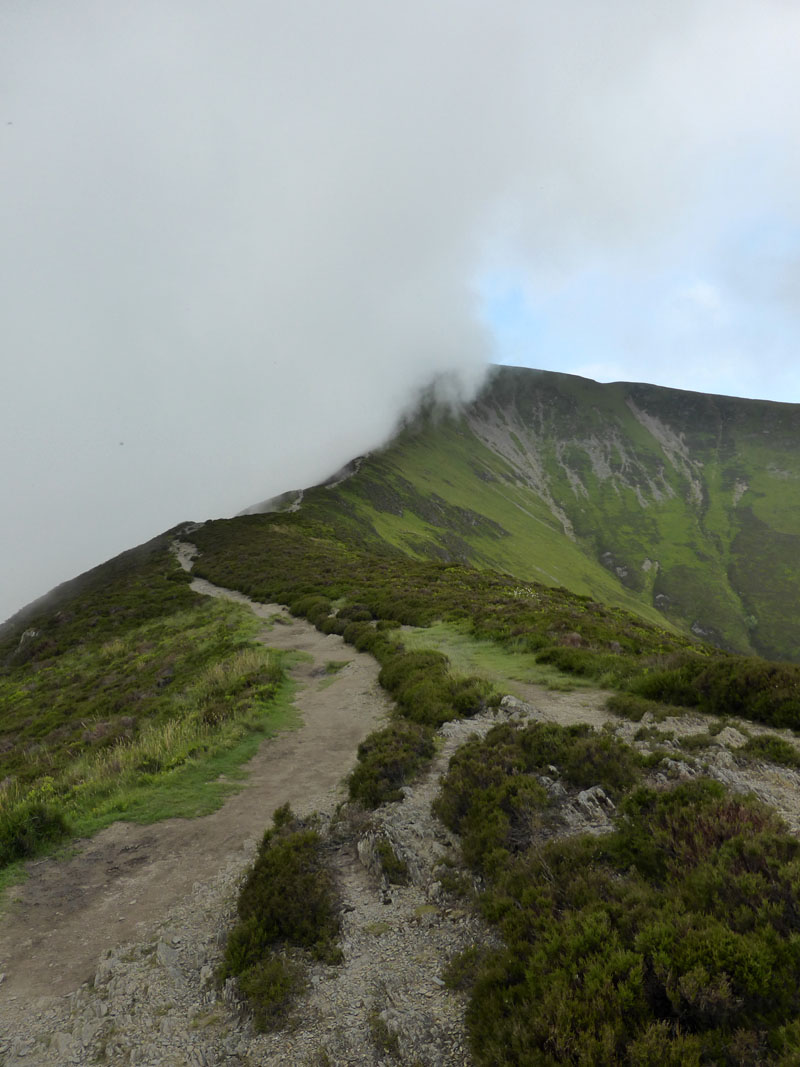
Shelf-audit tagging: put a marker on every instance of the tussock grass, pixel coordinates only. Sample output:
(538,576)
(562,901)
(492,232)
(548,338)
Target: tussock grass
(135,716)
(163,772)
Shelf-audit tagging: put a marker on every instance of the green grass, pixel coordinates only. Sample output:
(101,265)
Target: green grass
(498,664)
(772,749)
(202,784)
(123,710)
(540,448)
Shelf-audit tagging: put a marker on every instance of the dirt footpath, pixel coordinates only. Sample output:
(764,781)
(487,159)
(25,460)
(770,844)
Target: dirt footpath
(126,877)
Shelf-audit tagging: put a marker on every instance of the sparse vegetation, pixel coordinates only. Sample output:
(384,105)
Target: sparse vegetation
(394,868)
(772,749)
(384,1039)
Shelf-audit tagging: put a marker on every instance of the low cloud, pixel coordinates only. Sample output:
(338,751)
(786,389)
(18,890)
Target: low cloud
(237,240)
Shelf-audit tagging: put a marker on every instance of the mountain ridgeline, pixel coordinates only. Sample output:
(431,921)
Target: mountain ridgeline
(679,506)
(557,538)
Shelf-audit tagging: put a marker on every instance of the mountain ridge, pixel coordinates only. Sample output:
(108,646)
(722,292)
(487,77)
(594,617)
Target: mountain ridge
(679,505)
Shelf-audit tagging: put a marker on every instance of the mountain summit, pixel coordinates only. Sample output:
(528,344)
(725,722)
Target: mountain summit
(681,506)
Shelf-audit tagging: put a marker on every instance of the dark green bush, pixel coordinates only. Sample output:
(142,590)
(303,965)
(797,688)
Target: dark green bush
(387,759)
(773,749)
(354,631)
(671,684)
(407,668)
(672,940)
(27,829)
(288,899)
(463,969)
(394,868)
(728,685)
(750,687)
(271,986)
(314,607)
(355,613)
(629,706)
(491,794)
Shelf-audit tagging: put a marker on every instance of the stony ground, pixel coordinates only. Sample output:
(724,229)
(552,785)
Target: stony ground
(145,991)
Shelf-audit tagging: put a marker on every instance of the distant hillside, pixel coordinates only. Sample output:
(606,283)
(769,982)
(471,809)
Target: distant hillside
(681,506)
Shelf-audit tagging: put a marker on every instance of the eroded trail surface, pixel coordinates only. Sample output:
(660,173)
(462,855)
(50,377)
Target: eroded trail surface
(68,913)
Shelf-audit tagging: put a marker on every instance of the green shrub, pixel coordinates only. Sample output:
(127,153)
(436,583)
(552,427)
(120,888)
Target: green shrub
(315,608)
(772,749)
(355,613)
(394,868)
(492,796)
(672,684)
(26,829)
(355,631)
(288,899)
(672,940)
(387,759)
(752,688)
(407,668)
(629,706)
(271,986)
(463,969)
(728,685)
(611,668)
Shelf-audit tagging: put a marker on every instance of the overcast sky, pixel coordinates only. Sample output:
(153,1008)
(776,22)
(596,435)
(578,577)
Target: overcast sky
(235,239)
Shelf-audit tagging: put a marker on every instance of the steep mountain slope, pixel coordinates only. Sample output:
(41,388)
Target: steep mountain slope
(681,506)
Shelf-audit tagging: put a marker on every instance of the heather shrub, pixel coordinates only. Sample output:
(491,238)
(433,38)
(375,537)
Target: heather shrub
(288,900)
(492,795)
(394,868)
(728,685)
(671,940)
(771,748)
(272,986)
(355,613)
(387,759)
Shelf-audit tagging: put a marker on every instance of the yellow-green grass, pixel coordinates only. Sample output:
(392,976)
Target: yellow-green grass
(199,767)
(499,665)
(151,723)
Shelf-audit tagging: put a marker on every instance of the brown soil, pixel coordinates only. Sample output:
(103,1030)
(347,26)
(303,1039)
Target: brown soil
(58,923)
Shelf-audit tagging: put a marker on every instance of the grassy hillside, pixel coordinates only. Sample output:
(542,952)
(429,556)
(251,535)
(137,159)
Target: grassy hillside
(680,506)
(670,940)
(127,695)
